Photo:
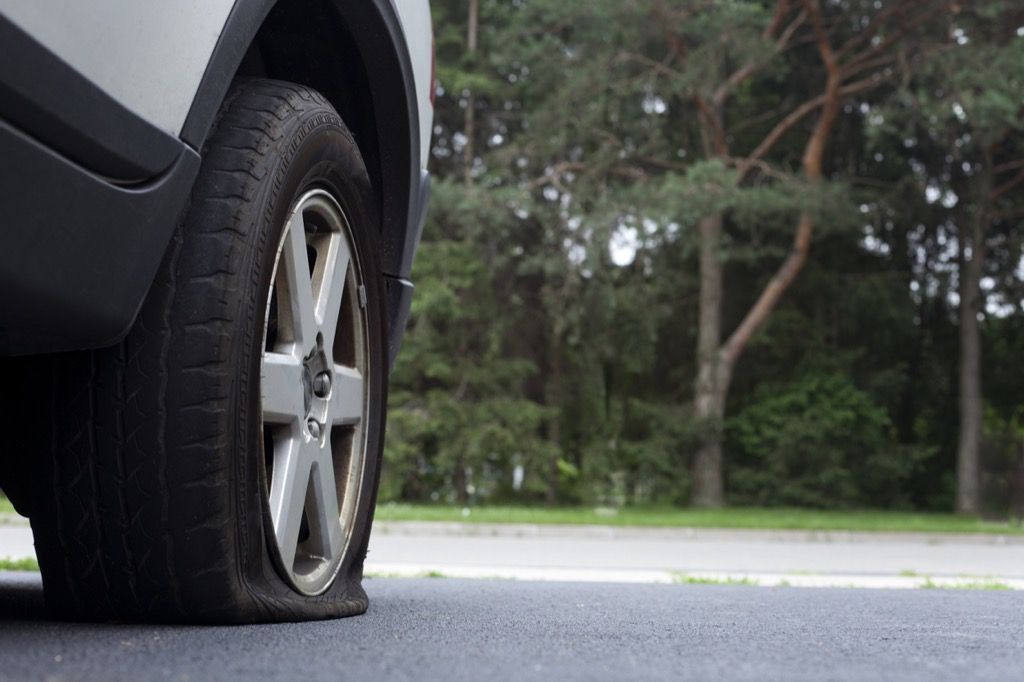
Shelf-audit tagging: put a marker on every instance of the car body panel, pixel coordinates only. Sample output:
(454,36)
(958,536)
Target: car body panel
(149,55)
(69,104)
(415,18)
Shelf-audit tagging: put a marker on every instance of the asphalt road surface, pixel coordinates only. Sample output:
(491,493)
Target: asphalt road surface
(447,629)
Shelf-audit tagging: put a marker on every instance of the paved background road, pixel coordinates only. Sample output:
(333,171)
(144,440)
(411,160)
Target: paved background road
(433,629)
(667,554)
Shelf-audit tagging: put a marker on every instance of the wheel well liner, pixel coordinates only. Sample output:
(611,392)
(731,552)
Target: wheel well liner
(355,54)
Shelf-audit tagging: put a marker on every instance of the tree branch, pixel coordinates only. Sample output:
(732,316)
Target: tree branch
(714,124)
(808,107)
(812,165)
(744,72)
(1002,189)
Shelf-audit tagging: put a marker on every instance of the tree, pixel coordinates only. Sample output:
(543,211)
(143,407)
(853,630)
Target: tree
(978,120)
(714,51)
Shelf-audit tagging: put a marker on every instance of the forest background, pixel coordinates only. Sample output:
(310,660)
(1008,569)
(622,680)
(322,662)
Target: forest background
(719,252)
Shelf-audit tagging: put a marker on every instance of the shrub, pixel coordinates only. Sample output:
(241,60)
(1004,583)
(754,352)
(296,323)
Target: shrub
(817,442)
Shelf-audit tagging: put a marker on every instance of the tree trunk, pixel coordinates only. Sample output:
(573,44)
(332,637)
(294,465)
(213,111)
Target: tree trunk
(554,400)
(459,483)
(968,457)
(469,151)
(711,386)
(715,363)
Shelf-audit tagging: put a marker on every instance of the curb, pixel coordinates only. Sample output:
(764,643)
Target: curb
(376,570)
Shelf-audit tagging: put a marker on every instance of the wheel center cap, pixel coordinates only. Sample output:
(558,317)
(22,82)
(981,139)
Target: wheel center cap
(316,381)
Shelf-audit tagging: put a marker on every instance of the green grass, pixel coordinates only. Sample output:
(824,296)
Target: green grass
(988,585)
(25,564)
(684,579)
(424,574)
(5,505)
(746,518)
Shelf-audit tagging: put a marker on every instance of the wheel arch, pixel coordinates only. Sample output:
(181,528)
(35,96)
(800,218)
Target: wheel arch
(355,54)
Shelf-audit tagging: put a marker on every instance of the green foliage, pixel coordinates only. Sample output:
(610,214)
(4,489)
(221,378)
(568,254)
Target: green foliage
(456,401)
(818,441)
(636,458)
(550,351)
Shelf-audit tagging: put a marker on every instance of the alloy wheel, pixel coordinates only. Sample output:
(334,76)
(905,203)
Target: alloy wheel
(313,391)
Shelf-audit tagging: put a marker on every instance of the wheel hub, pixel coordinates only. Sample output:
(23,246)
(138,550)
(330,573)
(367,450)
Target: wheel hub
(316,383)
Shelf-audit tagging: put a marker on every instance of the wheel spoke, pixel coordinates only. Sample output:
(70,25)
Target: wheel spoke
(322,504)
(295,295)
(329,285)
(281,388)
(346,396)
(288,491)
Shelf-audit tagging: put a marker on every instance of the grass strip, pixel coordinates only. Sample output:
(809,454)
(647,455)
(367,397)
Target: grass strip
(729,518)
(23,564)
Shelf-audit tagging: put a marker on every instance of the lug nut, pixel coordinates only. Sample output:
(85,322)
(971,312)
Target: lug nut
(322,384)
(314,428)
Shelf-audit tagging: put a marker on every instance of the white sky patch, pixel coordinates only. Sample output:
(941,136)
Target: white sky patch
(934,194)
(873,244)
(623,245)
(652,104)
(577,254)
(999,307)
(958,111)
